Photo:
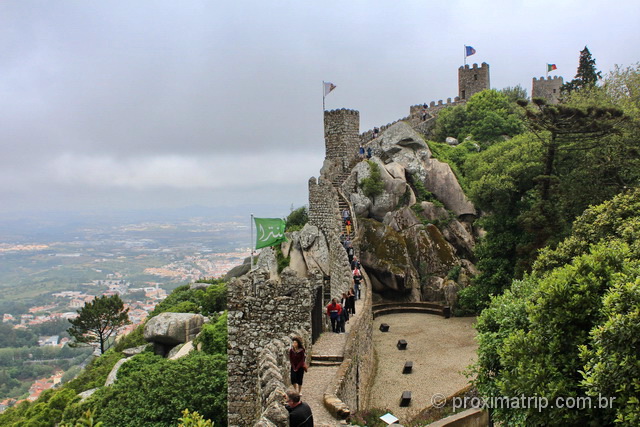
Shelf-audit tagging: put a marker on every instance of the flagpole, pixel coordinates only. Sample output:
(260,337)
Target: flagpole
(251,242)
(464,48)
(547,73)
(323,95)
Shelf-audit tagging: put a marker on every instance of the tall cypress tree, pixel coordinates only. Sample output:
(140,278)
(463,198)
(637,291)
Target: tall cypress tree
(587,75)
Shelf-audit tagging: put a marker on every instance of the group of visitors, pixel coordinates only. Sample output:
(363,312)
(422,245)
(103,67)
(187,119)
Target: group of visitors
(361,152)
(340,311)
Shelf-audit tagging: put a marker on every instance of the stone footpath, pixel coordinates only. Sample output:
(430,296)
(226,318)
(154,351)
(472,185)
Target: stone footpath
(318,378)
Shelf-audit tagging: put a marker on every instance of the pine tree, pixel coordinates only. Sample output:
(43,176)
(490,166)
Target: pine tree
(98,320)
(587,75)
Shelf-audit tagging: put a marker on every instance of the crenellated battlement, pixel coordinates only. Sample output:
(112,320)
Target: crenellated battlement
(549,78)
(341,112)
(474,66)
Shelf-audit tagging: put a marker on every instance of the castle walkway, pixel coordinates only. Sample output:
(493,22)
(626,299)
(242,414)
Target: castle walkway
(326,356)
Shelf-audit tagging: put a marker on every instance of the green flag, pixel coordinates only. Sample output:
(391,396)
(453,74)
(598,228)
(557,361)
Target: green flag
(270,231)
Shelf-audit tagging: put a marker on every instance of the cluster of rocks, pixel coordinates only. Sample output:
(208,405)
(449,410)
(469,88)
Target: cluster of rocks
(413,251)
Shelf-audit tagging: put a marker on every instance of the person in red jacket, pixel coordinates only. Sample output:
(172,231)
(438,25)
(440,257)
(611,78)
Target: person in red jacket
(334,311)
(297,357)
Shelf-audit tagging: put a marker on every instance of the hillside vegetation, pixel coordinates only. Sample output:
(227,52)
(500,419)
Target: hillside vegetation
(150,390)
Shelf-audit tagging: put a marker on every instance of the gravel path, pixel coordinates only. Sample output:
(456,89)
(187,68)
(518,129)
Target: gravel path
(318,378)
(440,350)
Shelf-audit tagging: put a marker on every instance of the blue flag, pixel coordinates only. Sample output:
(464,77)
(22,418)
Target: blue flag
(469,51)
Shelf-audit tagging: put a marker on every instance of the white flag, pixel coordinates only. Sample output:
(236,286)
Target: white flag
(328,87)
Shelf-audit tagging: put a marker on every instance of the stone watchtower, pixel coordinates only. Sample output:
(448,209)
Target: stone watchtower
(341,135)
(548,89)
(472,80)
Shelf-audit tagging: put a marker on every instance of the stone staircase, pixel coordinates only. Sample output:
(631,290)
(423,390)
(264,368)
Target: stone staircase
(342,205)
(339,179)
(411,307)
(326,360)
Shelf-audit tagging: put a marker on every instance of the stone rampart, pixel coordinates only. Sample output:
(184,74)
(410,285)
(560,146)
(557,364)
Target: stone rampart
(324,213)
(273,379)
(350,388)
(262,314)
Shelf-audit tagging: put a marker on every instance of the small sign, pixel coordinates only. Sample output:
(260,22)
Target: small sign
(389,418)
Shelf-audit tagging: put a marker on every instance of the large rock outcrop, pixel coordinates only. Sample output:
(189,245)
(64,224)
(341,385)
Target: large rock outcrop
(409,249)
(402,145)
(167,330)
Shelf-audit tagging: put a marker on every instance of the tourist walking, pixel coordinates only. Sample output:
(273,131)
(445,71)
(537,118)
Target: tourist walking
(334,311)
(357,278)
(300,414)
(361,151)
(347,224)
(344,302)
(345,214)
(351,301)
(297,358)
(369,152)
(347,243)
(350,252)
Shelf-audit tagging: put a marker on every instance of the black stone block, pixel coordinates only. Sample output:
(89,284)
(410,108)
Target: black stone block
(384,327)
(402,345)
(405,399)
(446,312)
(408,367)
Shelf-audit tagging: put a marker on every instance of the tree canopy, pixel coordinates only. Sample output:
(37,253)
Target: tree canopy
(567,329)
(98,320)
(587,75)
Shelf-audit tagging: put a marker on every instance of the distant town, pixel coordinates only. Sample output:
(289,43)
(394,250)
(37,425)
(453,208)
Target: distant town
(49,281)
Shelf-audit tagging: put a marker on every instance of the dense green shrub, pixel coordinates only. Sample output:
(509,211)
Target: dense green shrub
(153,391)
(297,219)
(372,185)
(213,336)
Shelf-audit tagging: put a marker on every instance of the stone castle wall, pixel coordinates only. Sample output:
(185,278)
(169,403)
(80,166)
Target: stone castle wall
(548,88)
(472,80)
(262,313)
(324,213)
(355,376)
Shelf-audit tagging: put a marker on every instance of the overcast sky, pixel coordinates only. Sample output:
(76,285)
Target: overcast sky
(154,104)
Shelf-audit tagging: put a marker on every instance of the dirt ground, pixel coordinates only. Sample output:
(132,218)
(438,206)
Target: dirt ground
(440,349)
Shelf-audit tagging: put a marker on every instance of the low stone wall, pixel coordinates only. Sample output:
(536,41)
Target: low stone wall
(349,389)
(468,418)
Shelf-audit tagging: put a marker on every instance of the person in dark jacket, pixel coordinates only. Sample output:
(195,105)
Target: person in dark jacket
(300,414)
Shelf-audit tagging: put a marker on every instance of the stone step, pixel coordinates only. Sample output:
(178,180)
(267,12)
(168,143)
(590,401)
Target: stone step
(418,304)
(396,310)
(327,357)
(320,363)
